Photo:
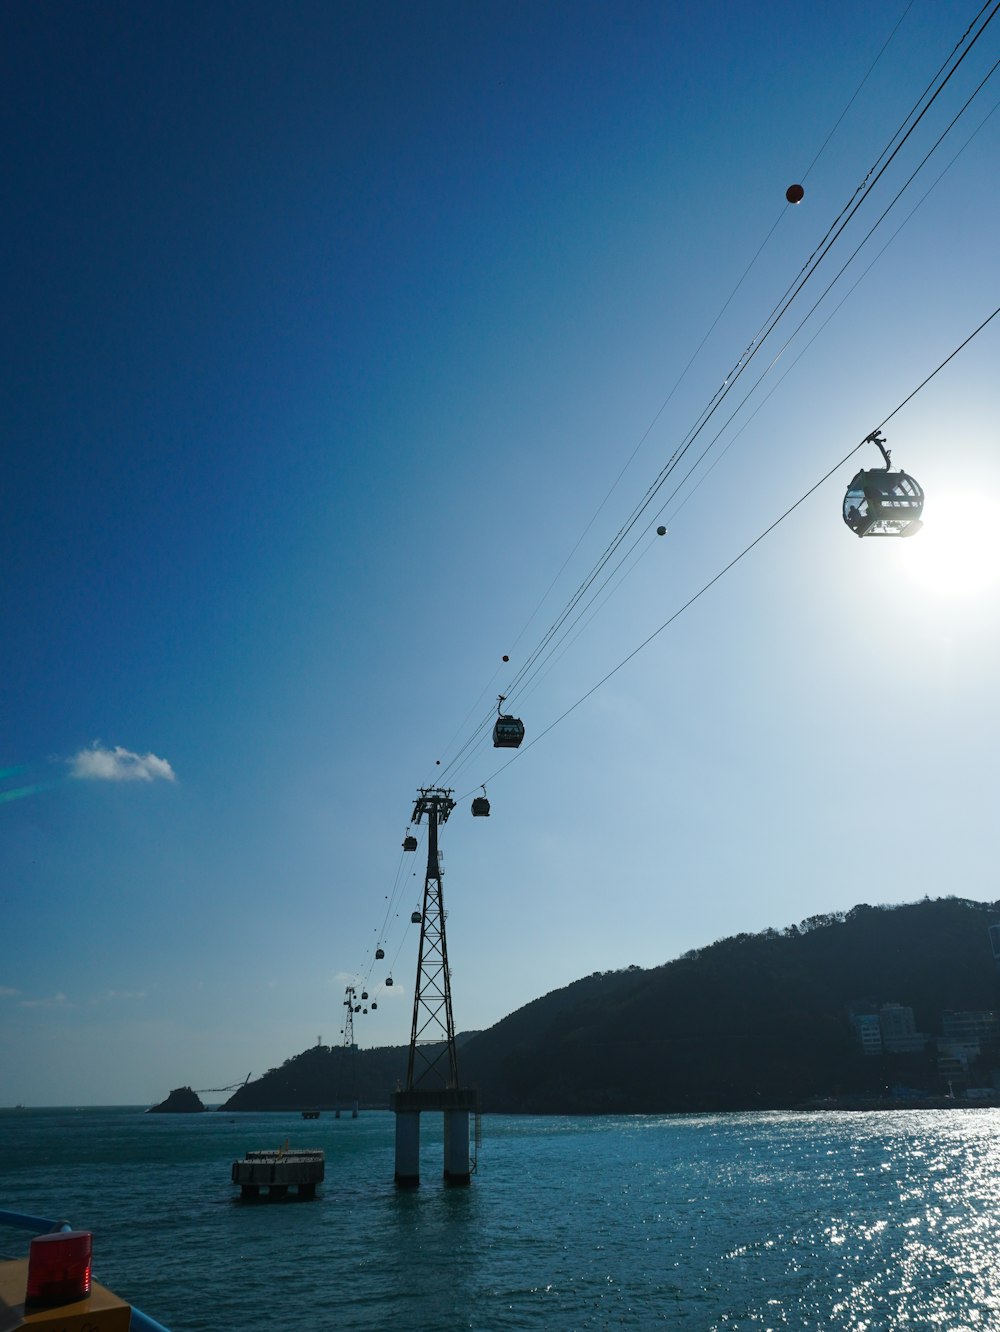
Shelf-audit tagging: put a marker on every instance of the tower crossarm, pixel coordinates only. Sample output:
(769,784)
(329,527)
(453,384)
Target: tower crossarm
(433,800)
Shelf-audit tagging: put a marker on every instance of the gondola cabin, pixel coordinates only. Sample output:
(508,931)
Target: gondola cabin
(409,844)
(508,732)
(379,954)
(883,503)
(374,1005)
(481,808)
(364,994)
(415,918)
(388,980)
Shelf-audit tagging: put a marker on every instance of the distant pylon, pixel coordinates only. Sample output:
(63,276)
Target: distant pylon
(432,1059)
(349,1020)
(352,1052)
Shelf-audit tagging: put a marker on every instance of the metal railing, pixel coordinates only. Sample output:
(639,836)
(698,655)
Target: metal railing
(39,1225)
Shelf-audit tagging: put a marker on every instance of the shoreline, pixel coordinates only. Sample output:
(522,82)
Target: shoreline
(859,1103)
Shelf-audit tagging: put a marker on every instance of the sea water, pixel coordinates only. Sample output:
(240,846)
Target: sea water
(720,1223)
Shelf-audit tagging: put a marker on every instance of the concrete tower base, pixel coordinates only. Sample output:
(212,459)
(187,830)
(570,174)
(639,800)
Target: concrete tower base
(408,1148)
(456,1104)
(456,1146)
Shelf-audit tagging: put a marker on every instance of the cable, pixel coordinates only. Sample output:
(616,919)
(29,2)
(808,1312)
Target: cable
(745,551)
(669,518)
(871,68)
(834,232)
(593,604)
(725,306)
(679,454)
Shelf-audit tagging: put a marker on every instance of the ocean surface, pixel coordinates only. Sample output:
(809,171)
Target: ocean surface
(718,1223)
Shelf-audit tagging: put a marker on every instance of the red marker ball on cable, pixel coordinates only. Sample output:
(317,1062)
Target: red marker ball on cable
(506,658)
(795,194)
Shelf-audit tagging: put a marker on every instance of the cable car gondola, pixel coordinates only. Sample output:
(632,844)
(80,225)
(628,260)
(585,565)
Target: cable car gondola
(881,502)
(508,731)
(379,954)
(364,994)
(374,1004)
(409,843)
(481,806)
(414,917)
(388,980)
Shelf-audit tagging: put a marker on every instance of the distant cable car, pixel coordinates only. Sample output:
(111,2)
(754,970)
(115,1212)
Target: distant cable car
(409,843)
(357,1008)
(364,994)
(364,1011)
(374,1004)
(388,980)
(379,954)
(881,502)
(508,731)
(414,917)
(481,806)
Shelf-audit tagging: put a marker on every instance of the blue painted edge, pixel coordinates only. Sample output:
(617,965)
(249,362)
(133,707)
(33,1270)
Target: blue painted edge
(140,1322)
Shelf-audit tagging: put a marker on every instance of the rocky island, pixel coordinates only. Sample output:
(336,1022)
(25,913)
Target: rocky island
(181,1101)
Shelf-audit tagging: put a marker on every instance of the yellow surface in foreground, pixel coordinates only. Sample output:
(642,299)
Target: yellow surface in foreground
(100,1312)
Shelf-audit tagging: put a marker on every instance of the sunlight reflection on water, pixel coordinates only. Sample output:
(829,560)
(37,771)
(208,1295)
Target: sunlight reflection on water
(820,1222)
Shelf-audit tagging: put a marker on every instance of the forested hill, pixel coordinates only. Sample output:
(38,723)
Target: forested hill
(752,1021)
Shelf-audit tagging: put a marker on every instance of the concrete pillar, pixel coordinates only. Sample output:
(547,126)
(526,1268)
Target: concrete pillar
(456,1146)
(408,1148)
(354,1110)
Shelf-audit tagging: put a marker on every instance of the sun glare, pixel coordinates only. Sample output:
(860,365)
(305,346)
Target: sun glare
(957,554)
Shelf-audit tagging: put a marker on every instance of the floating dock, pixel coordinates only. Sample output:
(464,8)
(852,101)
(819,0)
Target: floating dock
(278,1171)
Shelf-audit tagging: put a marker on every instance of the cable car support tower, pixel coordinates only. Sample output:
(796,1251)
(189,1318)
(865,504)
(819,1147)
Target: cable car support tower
(349,1057)
(432,1067)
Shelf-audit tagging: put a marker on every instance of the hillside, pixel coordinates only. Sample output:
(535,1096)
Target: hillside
(325,1077)
(754,1021)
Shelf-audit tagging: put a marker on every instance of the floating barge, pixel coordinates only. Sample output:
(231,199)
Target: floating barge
(278,1171)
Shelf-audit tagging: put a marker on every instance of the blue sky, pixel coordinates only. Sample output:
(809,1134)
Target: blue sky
(329,327)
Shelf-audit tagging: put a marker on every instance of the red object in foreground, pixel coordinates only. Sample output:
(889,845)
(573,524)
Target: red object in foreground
(59,1268)
(795,194)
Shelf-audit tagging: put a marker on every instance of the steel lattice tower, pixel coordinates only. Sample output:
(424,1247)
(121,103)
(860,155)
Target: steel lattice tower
(432,1061)
(432,1070)
(350,1053)
(348,1032)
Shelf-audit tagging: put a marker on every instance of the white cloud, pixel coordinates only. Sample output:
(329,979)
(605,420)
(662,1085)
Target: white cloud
(119,765)
(53,1001)
(7,993)
(110,995)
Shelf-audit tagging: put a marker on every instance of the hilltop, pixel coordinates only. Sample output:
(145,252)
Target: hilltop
(750,1022)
